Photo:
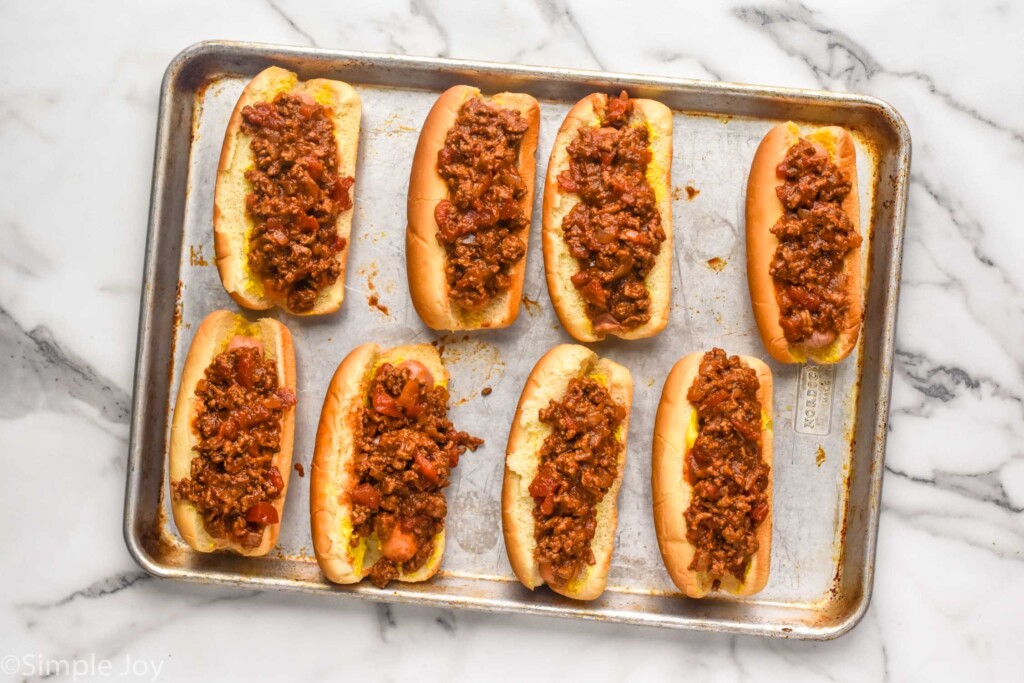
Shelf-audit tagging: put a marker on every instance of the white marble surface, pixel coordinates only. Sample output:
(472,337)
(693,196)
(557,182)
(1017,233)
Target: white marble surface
(78,100)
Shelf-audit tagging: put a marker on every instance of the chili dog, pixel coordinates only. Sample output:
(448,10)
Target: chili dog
(608,218)
(469,205)
(563,467)
(384,451)
(803,244)
(711,475)
(282,211)
(232,435)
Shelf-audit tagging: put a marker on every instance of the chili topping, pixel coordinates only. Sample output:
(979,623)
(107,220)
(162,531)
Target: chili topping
(296,198)
(614,231)
(404,455)
(814,234)
(233,482)
(480,222)
(579,462)
(725,467)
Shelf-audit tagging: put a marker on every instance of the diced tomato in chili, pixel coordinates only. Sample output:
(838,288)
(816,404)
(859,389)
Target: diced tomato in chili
(426,467)
(759,513)
(714,399)
(409,399)
(746,430)
(275,478)
(811,302)
(262,513)
(366,495)
(543,485)
(384,404)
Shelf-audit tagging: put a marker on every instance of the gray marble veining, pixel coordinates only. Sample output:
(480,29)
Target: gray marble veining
(77,112)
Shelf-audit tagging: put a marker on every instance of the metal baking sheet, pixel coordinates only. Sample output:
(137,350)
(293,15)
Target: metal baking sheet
(830,423)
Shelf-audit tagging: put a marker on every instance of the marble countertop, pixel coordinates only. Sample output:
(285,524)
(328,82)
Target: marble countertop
(78,104)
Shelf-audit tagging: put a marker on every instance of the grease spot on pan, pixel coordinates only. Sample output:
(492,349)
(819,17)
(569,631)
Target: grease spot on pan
(196,256)
(474,522)
(473,365)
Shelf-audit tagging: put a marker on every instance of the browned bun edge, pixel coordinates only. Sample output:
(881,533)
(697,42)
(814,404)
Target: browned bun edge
(671,492)
(548,381)
(332,474)
(211,338)
(560,266)
(425,258)
(763,210)
(232,225)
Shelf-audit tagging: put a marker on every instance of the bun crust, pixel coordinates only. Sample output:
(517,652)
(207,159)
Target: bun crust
(425,258)
(560,266)
(332,475)
(671,491)
(764,209)
(548,381)
(232,224)
(211,338)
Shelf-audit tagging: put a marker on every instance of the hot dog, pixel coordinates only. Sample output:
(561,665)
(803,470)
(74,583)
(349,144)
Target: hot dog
(563,467)
(803,244)
(232,435)
(384,452)
(711,475)
(608,218)
(283,204)
(469,205)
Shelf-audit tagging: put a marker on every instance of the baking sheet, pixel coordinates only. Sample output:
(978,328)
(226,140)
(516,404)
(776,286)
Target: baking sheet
(826,478)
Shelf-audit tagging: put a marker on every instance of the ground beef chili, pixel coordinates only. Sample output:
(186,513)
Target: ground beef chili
(725,467)
(480,222)
(297,196)
(814,234)
(615,230)
(233,481)
(579,462)
(405,452)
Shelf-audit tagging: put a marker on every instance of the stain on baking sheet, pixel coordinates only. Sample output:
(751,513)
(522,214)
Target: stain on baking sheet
(474,521)
(394,125)
(716,264)
(300,469)
(531,305)
(374,302)
(691,192)
(475,365)
(372,296)
(819,457)
(371,237)
(196,256)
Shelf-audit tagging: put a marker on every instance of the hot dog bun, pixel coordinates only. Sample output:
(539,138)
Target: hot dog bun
(560,266)
(548,381)
(212,337)
(764,209)
(332,476)
(674,432)
(232,224)
(425,257)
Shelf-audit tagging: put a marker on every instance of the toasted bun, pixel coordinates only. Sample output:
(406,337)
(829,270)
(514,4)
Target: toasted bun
(560,266)
(232,224)
(425,258)
(764,209)
(548,381)
(671,492)
(212,337)
(333,472)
